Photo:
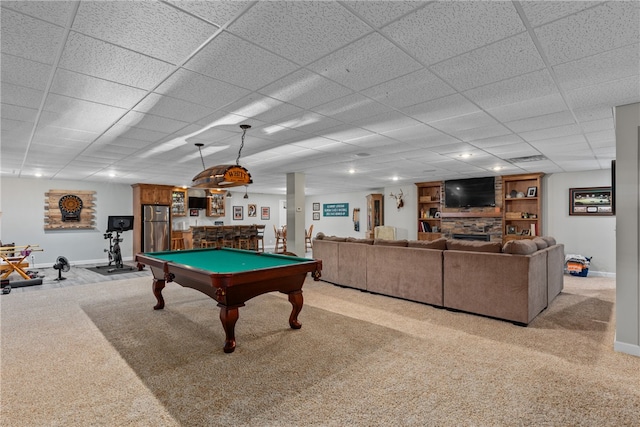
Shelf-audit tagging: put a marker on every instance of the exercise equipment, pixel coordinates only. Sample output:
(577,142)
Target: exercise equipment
(117,225)
(12,262)
(62,264)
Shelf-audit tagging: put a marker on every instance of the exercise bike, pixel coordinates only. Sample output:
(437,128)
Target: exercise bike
(114,253)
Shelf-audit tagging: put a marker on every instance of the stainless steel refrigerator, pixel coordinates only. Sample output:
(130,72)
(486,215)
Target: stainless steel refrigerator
(155,228)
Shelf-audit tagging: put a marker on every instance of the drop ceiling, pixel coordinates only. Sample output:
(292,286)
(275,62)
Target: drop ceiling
(357,95)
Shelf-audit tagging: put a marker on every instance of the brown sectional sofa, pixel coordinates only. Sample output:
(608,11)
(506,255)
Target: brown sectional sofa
(515,282)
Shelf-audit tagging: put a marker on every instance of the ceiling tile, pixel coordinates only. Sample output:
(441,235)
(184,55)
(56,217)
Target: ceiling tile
(379,13)
(517,89)
(199,89)
(165,106)
(443,30)
(299,31)
(15,112)
(29,38)
(357,66)
(597,69)
(238,62)
(501,60)
(531,107)
(94,89)
(21,96)
(54,12)
(217,12)
(411,89)
(442,108)
(96,58)
(305,89)
(351,108)
(541,122)
(23,72)
(153,29)
(595,30)
(618,92)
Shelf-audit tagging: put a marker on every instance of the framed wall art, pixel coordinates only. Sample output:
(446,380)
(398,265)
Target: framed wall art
(316,207)
(590,201)
(316,216)
(238,214)
(252,210)
(265,213)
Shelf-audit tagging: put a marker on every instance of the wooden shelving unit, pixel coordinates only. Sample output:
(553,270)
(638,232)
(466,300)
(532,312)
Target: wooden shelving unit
(522,207)
(216,203)
(375,213)
(429,210)
(179,201)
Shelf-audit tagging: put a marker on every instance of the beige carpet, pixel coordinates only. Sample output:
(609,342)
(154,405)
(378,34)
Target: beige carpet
(99,355)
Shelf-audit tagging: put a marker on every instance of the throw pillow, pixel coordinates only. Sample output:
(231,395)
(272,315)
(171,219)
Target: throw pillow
(520,247)
(474,246)
(540,243)
(384,242)
(363,241)
(320,235)
(440,244)
(550,240)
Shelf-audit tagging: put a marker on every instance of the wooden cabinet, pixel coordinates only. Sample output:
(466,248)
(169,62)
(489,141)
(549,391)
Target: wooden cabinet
(522,208)
(151,194)
(179,202)
(375,213)
(215,203)
(429,209)
(147,194)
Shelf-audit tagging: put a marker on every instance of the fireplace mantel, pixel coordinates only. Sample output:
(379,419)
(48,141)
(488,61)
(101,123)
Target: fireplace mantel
(471,214)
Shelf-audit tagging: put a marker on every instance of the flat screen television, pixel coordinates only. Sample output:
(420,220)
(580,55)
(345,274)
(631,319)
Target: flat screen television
(120,223)
(197,202)
(470,192)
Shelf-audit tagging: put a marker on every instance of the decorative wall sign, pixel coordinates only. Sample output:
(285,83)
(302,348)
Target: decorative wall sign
(335,209)
(69,209)
(590,201)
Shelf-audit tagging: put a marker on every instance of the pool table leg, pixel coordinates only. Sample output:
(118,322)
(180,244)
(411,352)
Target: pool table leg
(295,298)
(158,286)
(229,317)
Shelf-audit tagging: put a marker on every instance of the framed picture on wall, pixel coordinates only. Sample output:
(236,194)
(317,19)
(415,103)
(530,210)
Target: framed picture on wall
(238,213)
(265,213)
(193,212)
(252,210)
(590,201)
(316,216)
(316,207)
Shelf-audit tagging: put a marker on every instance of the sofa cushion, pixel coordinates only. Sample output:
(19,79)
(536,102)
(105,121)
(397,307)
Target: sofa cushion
(550,240)
(363,241)
(540,242)
(384,242)
(440,243)
(335,239)
(520,247)
(474,246)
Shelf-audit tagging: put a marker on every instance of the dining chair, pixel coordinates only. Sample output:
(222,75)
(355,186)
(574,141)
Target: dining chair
(308,244)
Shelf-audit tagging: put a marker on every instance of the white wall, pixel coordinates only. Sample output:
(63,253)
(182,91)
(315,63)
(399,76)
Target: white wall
(589,236)
(23,202)
(22,218)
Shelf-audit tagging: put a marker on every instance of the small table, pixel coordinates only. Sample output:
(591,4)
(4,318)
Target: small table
(231,277)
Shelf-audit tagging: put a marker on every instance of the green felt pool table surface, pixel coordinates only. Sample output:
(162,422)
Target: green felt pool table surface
(226,260)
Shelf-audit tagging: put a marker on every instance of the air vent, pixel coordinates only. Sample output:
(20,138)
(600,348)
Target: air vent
(525,159)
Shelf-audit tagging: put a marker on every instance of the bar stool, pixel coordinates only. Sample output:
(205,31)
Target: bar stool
(260,238)
(228,236)
(177,241)
(281,240)
(243,238)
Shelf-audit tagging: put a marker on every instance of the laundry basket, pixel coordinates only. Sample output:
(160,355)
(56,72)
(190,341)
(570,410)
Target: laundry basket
(577,265)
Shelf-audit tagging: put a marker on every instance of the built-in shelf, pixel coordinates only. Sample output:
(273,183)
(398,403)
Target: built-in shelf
(471,214)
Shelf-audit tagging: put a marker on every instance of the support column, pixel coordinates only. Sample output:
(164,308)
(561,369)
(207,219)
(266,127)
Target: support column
(627,199)
(295,213)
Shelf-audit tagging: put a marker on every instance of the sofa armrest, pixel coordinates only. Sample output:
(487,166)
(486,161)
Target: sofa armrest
(327,251)
(504,286)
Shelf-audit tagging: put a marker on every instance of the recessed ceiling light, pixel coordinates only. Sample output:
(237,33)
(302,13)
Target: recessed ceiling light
(465,155)
(112,175)
(352,170)
(38,174)
(496,168)
(395,178)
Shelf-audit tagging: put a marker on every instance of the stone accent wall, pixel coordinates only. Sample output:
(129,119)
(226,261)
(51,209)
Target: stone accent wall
(474,225)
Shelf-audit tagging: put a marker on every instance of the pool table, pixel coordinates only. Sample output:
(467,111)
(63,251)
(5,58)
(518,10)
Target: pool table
(231,277)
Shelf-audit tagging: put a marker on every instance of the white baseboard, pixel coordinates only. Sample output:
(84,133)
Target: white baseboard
(631,349)
(602,274)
